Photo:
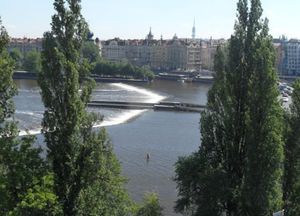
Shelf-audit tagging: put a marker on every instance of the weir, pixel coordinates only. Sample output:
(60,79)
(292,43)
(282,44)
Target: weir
(163,106)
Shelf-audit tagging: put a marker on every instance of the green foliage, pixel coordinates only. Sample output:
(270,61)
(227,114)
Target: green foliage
(4,39)
(17,56)
(32,61)
(90,51)
(85,69)
(264,141)
(20,163)
(7,87)
(106,194)
(127,70)
(203,185)
(238,168)
(191,180)
(150,206)
(64,109)
(87,177)
(39,200)
(291,183)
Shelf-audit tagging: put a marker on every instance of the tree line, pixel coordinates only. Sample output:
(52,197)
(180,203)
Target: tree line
(126,70)
(31,61)
(104,68)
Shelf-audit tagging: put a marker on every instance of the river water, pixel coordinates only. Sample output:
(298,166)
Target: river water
(165,136)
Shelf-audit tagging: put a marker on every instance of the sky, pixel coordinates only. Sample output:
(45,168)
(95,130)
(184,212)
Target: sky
(132,19)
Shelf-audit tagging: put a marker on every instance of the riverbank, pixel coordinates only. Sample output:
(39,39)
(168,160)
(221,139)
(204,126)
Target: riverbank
(188,77)
(19,75)
(24,75)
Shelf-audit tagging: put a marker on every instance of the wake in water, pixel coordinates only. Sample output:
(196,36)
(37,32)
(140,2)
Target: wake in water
(121,118)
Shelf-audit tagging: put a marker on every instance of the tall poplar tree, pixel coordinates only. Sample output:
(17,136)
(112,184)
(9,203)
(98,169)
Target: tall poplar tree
(261,188)
(87,177)
(291,183)
(237,170)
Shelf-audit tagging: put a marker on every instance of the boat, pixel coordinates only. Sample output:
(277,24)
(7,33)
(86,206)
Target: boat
(204,79)
(170,76)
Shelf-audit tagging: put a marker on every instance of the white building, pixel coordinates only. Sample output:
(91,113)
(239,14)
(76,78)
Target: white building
(292,57)
(114,50)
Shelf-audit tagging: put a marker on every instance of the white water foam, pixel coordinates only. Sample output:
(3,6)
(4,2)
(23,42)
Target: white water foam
(29,113)
(107,90)
(29,90)
(154,98)
(124,117)
(119,119)
(38,114)
(30,132)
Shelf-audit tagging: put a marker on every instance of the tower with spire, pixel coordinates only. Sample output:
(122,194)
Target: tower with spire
(194,31)
(150,36)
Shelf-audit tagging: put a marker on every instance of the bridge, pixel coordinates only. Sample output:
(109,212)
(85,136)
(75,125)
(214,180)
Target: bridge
(163,106)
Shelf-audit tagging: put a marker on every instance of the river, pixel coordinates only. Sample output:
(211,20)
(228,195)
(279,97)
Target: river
(165,136)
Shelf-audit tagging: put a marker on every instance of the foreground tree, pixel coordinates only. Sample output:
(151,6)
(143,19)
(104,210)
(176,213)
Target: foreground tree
(20,163)
(291,183)
(87,177)
(202,181)
(261,189)
(150,207)
(39,200)
(237,170)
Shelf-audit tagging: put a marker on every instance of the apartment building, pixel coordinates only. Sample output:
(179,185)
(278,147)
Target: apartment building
(114,50)
(25,44)
(172,54)
(292,58)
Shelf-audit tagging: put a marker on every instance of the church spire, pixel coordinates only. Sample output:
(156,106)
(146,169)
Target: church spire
(150,35)
(194,31)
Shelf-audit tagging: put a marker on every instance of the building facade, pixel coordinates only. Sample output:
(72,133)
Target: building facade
(161,55)
(114,50)
(25,44)
(194,62)
(292,58)
(287,56)
(176,54)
